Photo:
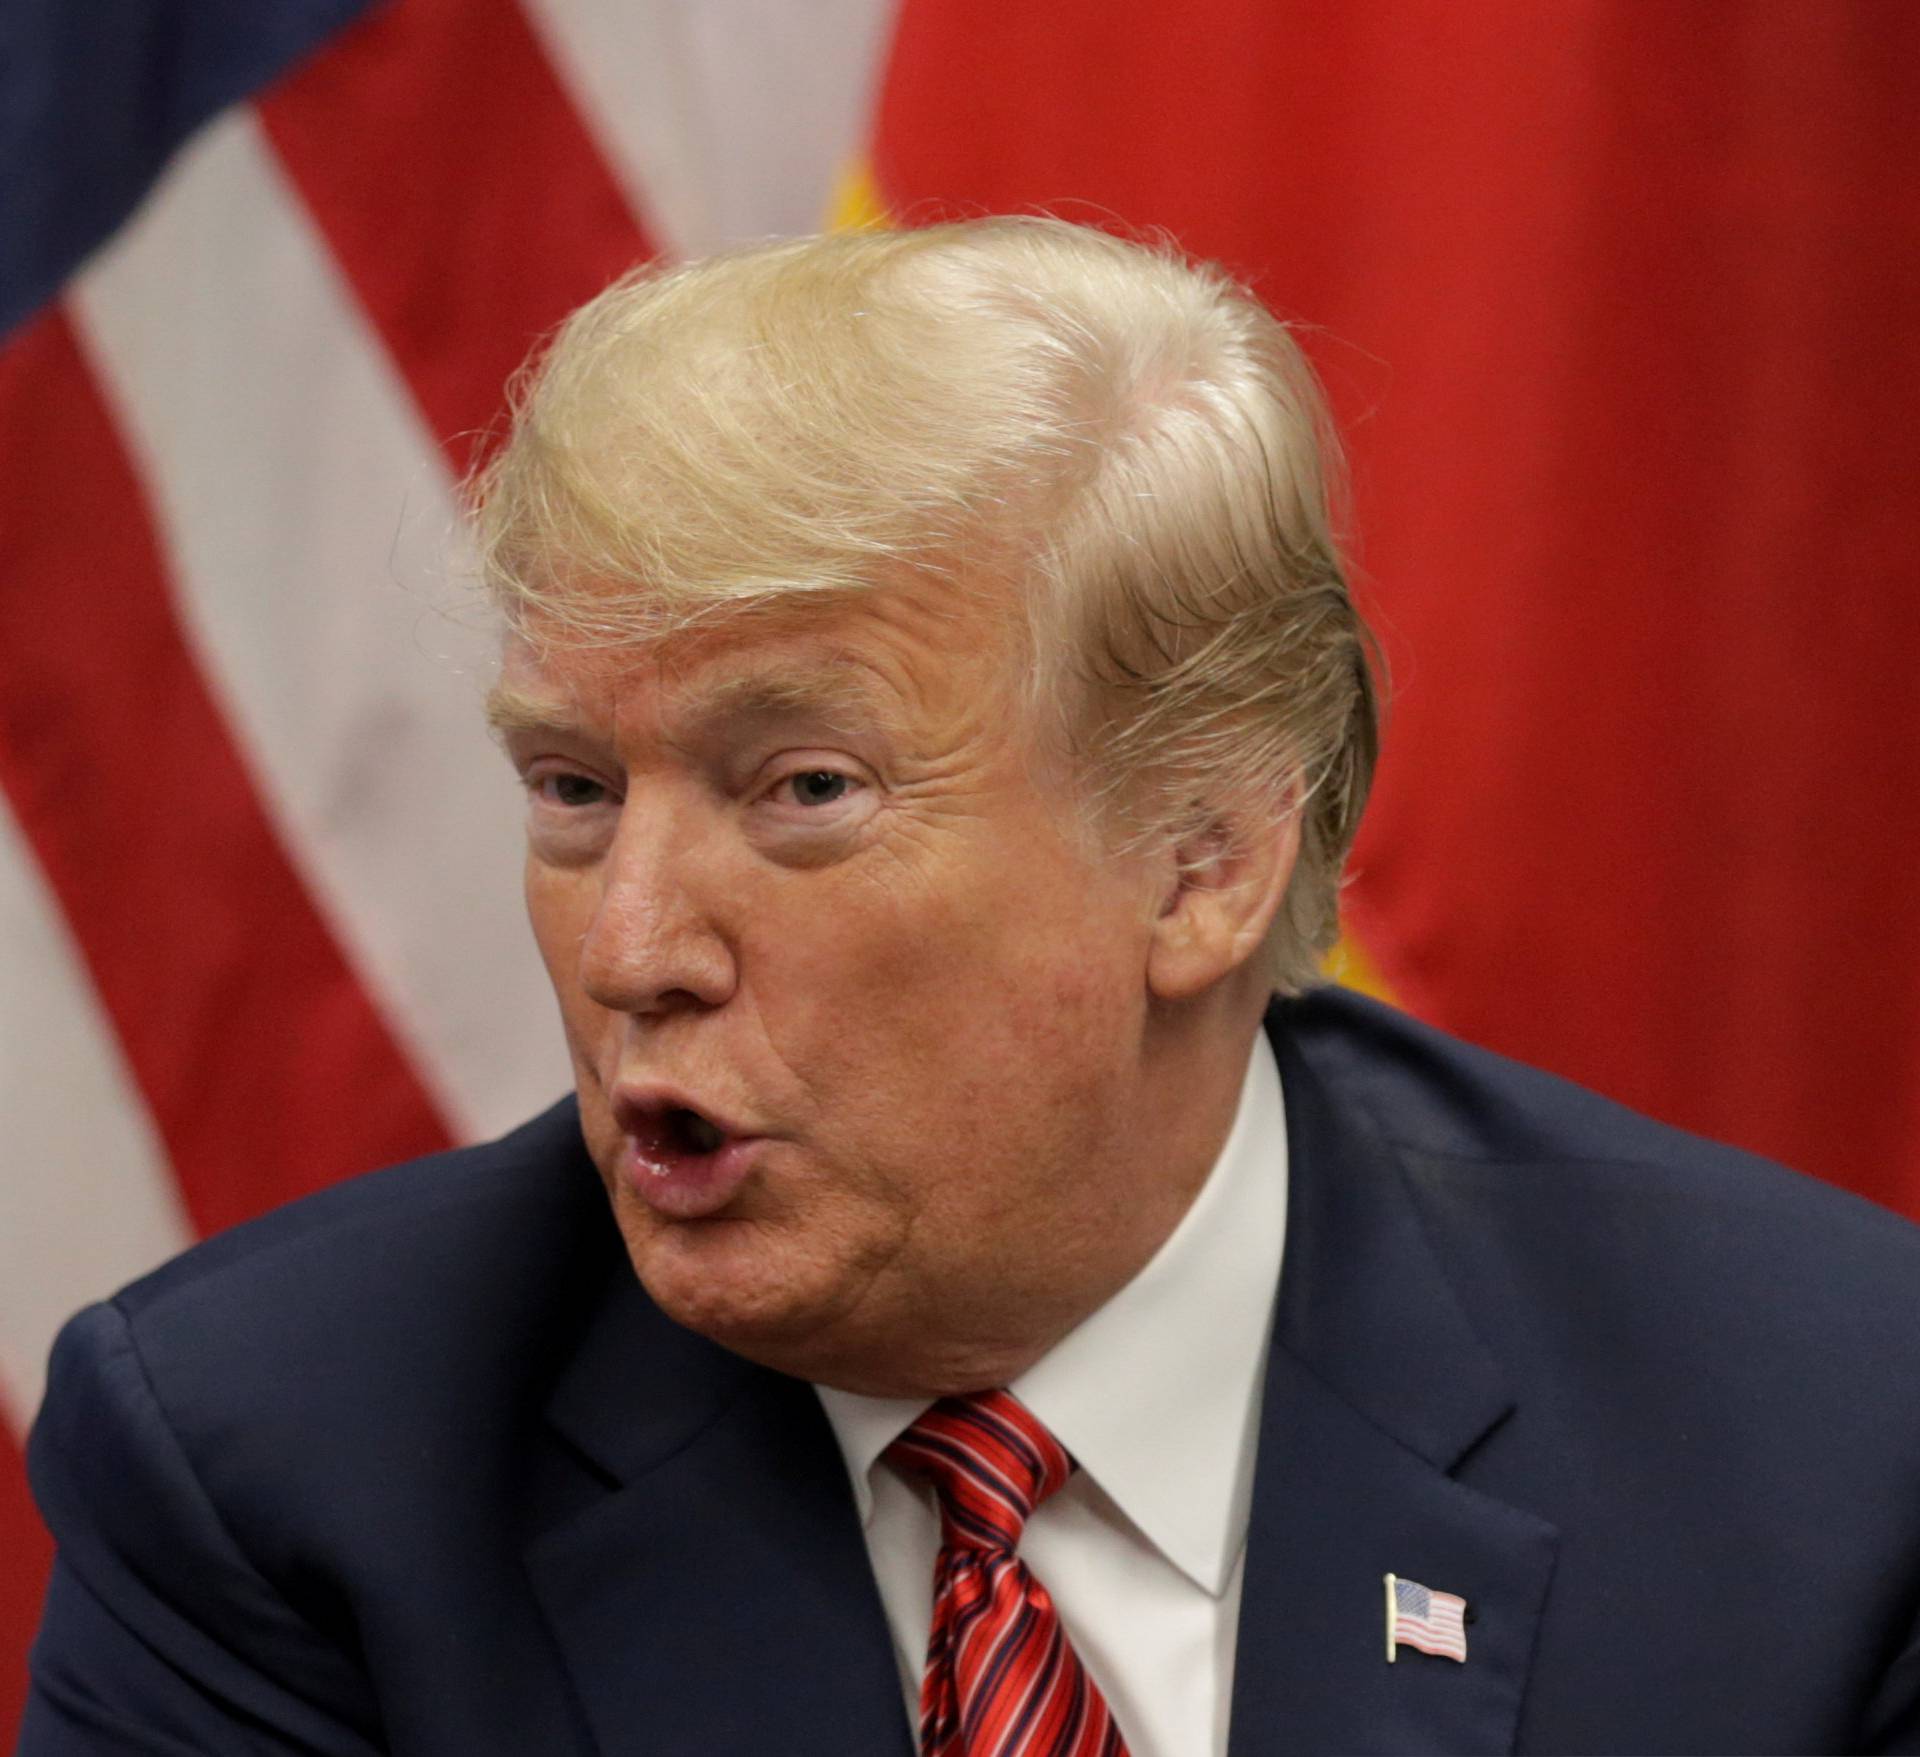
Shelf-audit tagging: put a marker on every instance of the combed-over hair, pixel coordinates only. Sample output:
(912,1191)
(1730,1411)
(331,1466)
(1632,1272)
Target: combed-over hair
(1127,439)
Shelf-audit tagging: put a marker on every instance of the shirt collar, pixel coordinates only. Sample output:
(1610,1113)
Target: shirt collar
(1157,1394)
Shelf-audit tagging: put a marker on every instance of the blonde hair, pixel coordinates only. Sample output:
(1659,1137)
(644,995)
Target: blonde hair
(1127,439)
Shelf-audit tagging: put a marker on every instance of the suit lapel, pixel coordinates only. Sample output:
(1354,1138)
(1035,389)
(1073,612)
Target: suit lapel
(1376,1391)
(709,1588)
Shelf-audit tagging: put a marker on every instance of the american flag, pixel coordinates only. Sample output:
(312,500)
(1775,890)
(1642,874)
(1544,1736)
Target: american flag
(1419,1617)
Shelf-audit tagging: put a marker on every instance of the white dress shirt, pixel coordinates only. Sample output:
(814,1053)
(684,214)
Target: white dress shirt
(1157,1395)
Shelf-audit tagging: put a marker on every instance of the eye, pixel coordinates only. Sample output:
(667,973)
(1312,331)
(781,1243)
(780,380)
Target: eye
(571,815)
(817,787)
(565,788)
(806,812)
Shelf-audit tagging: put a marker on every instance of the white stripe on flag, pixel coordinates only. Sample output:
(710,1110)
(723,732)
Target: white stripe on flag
(727,120)
(87,1201)
(308,522)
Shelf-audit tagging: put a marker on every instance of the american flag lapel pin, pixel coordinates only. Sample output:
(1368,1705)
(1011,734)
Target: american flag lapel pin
(1417,1616)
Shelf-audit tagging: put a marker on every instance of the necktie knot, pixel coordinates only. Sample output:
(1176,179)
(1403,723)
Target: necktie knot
(990,1461)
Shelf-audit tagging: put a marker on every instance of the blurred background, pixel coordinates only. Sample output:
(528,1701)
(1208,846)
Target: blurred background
(1618,302)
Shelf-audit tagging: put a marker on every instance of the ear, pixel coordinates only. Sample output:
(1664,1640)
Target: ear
(1224,884)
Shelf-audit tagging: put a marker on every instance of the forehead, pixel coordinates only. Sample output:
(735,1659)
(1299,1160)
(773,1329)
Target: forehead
(885,663)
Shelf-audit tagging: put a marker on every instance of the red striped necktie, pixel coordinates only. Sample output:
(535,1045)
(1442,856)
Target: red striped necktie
(1002,1679)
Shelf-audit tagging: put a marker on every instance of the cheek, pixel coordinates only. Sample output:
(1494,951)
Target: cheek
(545,899)
(560,908)
(956,999)
(1055,1005)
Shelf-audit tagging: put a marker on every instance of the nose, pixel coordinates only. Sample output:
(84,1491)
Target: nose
(652,945)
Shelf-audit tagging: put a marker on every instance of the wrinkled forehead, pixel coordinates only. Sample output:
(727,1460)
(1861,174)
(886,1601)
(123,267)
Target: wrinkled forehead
(744,683)
(882,661)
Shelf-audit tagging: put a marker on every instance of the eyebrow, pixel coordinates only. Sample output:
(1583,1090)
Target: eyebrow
(513,710)
(832,690)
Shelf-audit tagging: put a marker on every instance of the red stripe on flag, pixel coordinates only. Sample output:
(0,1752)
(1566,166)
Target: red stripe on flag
(460,190)
(27,1552)
(265,1065)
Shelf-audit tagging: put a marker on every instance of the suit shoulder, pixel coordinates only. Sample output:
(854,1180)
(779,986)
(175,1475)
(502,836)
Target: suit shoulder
(1463,1116)
(327,1363)
(322,1409)
(430,1298)
(498,1187)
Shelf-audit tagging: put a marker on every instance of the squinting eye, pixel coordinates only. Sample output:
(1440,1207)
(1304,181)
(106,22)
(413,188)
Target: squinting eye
(569,789)
(818,787)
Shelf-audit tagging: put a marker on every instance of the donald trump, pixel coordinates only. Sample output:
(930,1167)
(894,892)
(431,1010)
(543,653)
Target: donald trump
(982,1296)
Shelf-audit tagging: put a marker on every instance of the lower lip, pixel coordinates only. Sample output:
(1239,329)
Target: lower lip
(690,1186)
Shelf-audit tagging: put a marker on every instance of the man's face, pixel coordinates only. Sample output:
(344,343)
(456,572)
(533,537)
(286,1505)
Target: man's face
(856,1019)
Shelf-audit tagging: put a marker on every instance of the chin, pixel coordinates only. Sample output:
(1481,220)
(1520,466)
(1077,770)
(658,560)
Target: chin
(737,1283)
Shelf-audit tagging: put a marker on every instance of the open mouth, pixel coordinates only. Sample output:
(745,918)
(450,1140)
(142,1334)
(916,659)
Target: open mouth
(681,1160)
(666,1135)
(687,1131)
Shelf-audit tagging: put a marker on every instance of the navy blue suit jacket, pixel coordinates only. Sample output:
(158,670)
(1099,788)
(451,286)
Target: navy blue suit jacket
(414,1466)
